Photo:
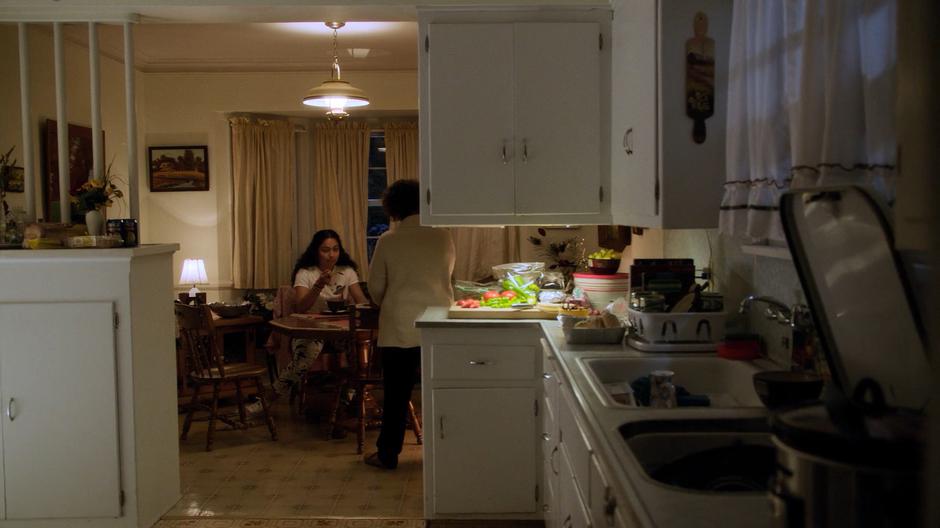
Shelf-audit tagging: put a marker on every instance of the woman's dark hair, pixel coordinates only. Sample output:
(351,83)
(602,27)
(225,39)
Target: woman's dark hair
(311,255)
(402,199)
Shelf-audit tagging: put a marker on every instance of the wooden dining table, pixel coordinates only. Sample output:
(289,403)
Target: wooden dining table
(332,329)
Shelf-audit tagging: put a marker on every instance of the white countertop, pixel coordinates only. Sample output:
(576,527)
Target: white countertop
(79,253)
(655,504)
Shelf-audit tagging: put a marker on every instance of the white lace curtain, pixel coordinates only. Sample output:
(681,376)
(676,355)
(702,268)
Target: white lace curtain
(811,95)
(263,190)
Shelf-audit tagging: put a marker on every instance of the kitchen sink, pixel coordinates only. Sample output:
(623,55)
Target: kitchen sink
(709,455)
(726,383)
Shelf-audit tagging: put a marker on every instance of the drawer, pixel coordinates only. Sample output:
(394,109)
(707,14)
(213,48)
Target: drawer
(489,362)
(574,440)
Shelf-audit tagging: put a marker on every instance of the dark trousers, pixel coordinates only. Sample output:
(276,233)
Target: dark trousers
(399,373)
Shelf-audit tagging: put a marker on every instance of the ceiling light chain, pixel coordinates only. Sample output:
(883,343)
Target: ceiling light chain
(335,94)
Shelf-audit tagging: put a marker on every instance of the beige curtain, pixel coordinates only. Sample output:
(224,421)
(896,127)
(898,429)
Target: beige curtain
(481,248)
(478,248)
(340,172)
(401,151)
(263,189)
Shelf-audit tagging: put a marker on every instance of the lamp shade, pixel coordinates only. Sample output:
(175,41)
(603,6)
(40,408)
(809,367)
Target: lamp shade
(194,272)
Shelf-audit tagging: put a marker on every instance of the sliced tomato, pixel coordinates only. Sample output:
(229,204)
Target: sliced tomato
(462,303)
(509,294)
(492,294)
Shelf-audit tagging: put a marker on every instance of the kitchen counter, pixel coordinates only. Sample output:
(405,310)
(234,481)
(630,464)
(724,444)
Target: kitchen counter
(653,503)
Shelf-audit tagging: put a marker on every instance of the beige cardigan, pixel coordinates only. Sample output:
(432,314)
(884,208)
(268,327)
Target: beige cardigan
(411,270)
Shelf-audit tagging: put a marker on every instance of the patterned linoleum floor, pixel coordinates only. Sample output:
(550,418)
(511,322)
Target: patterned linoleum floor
(298,481)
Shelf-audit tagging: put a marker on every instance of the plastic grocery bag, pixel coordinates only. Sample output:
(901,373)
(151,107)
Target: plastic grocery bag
(472,290)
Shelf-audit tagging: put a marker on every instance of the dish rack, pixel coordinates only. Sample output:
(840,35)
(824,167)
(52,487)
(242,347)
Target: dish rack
(675,332)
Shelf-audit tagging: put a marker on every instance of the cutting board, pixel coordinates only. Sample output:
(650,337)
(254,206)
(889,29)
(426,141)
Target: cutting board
(483,312)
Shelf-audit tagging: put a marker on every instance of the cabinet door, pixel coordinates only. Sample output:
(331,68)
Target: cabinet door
(58,391)
(557,124)
(634,104)
(470,86)
(484,452)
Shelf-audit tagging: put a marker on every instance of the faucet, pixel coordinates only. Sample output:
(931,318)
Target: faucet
(776,311)
(796,316)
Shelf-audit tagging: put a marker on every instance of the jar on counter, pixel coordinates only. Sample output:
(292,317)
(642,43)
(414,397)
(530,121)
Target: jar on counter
(710,302)
(647,301)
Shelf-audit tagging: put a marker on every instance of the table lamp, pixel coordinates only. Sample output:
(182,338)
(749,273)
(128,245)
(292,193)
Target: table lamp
(194,272)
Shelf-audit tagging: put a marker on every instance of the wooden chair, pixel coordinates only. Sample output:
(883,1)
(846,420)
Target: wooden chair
(364,374)
(208,368)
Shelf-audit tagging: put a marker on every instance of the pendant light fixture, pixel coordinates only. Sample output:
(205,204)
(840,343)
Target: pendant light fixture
(336,94)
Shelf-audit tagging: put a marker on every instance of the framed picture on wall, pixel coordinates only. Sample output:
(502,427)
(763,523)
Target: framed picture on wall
(80,155)
(13,180)
(179,168)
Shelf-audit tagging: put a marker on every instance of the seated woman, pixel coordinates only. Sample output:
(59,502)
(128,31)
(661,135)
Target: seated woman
(324,272)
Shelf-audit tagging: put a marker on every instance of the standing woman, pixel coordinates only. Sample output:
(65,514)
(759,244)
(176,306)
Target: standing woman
(411,270)
(324,272)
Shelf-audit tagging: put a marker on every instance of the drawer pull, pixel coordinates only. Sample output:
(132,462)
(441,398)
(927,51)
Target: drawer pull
(546,375)
(547,437)
(475,363)
(442,427)
(551,461)
(11,409)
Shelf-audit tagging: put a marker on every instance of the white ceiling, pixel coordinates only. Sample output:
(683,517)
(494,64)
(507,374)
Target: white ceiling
(265,47)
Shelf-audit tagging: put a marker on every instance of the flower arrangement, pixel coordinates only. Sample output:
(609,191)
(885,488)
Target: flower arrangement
(565,255)
(6,166)
(95,195)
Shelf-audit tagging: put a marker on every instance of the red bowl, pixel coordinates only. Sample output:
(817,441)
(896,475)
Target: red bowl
(604,266)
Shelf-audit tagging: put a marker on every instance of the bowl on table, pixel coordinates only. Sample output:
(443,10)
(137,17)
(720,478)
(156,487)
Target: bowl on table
(604,266)
(336,306)
(784,388)
(229,311)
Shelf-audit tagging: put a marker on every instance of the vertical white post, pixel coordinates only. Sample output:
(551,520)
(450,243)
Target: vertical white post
(130,99)
(94,76)
(29,181)
(62,124)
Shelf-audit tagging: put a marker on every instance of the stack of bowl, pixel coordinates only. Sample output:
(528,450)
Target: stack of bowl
(602,290)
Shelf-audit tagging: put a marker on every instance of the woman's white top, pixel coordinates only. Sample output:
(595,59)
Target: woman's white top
(410,271)
(336,290)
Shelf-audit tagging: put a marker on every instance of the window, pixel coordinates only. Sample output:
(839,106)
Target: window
(376,219)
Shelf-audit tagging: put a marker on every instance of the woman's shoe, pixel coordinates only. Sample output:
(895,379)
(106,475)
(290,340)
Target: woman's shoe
(374,460)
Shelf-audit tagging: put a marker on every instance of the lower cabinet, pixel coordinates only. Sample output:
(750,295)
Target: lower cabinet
(481,394)
(52,439)
(478,439)
(579,489)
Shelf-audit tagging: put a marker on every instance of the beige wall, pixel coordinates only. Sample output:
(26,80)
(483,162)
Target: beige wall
(42,82)
(191,109)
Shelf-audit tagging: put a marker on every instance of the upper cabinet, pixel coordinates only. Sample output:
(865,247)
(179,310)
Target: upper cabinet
(512,119)
(669,71)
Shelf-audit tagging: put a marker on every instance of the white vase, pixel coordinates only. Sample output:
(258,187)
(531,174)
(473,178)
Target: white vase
(94,222)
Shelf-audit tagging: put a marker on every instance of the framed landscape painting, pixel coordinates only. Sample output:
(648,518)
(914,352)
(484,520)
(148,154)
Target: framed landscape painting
(179,168)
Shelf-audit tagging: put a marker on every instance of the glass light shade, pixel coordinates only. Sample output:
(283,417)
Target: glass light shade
(194,272)
(336,95)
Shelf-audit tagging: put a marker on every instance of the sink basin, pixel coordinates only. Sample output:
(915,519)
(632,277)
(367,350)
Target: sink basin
(728,384)
(711,455)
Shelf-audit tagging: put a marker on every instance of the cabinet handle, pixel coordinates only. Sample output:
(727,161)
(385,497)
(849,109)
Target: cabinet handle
(475,363)
(546,375)
(610,506)
(551,461)
(628,141)
(441,428)
(525,151)
(567,522)
(505,157)
(547,437)
(11,409)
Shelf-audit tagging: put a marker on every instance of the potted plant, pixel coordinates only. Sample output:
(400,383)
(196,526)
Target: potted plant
(94,196)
